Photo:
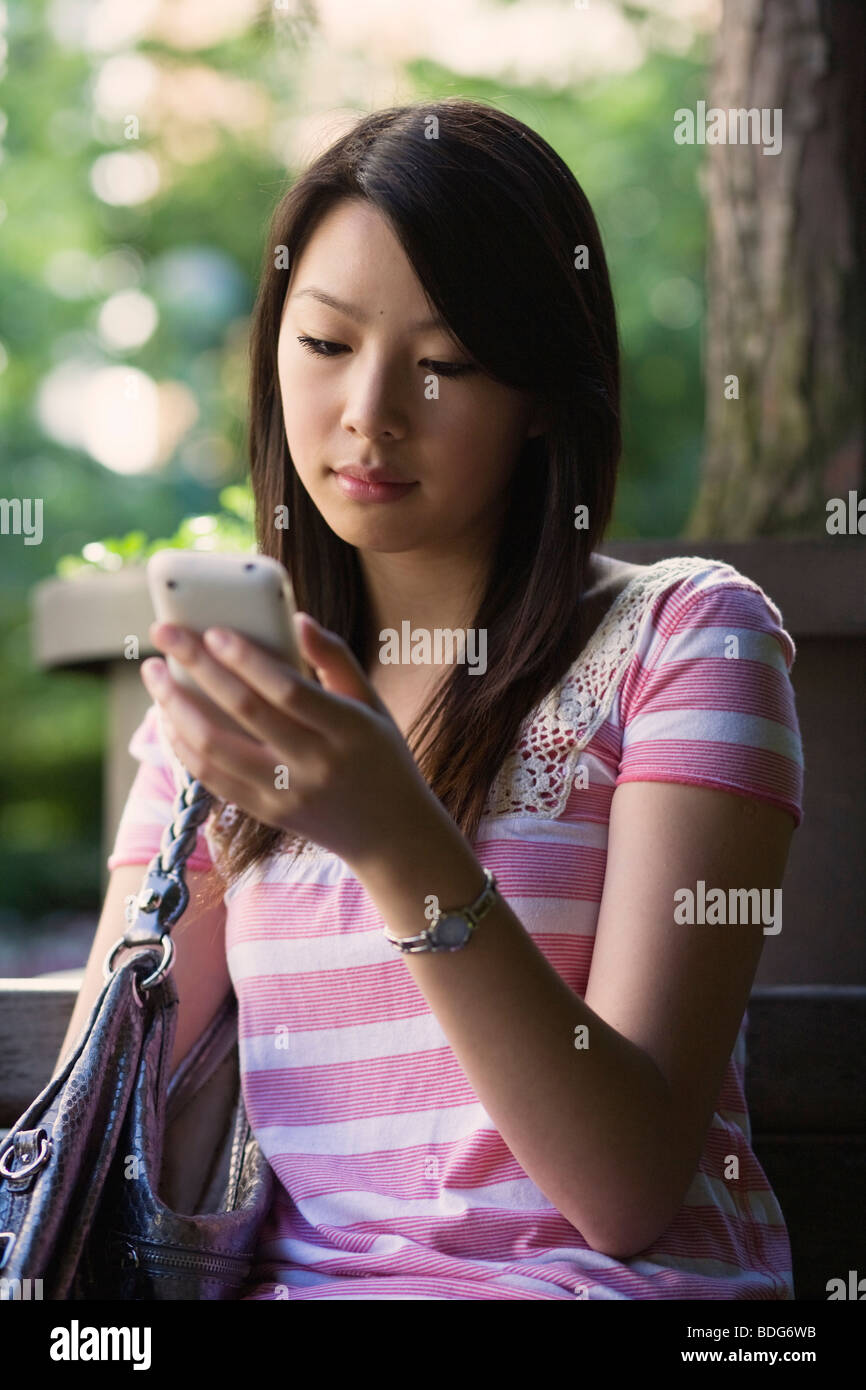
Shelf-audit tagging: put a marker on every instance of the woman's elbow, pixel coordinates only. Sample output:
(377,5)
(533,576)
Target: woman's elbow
(630,1232)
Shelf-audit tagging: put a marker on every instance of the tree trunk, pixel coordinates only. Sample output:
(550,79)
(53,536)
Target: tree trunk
(786,272)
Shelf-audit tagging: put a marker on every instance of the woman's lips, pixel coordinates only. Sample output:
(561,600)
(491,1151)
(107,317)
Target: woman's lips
(361,491)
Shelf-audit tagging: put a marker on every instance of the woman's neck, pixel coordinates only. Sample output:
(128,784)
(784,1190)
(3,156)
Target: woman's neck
(435,598)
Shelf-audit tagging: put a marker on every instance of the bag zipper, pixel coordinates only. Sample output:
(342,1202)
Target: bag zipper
(144,1254)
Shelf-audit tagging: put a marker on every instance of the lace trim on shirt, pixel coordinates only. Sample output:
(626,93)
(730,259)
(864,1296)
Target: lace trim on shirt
(536,776)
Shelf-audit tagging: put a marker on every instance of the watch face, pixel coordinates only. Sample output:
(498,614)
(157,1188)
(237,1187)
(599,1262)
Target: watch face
(451,931)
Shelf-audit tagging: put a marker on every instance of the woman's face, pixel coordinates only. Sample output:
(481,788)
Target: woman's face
(365,393)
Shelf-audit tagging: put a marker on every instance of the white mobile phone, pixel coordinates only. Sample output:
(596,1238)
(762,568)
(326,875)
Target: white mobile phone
(251,594)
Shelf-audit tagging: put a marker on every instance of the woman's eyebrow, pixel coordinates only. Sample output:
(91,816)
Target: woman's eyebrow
(353,312)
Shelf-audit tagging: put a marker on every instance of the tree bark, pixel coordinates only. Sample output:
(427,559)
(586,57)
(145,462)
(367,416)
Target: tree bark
(786,273)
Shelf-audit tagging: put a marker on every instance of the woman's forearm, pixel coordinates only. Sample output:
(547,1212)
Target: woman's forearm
(587,1114)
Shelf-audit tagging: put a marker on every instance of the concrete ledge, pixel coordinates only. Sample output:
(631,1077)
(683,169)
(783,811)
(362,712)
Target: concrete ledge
(820,586)
(84,621)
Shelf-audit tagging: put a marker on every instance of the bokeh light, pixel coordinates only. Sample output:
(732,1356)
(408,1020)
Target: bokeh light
(127,320)
(125,177)
(118,414)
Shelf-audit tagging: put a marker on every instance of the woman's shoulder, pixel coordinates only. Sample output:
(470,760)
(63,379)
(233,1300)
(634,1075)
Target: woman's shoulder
(607,576)
(679,617)
(610,579)
(689,660)
(619,595)
(606,579)
(706,697)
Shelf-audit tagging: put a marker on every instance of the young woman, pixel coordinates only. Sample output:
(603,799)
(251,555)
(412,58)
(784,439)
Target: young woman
(554,1107)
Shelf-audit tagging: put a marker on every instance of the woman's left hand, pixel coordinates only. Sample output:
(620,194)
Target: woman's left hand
(331,764)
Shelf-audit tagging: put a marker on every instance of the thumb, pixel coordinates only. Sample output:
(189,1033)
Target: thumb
(334,662)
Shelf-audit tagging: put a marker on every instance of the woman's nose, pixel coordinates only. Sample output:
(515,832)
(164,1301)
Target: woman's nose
(376,403)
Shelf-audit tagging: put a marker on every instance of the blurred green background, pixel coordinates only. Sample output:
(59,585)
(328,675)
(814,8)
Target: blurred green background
(143,150)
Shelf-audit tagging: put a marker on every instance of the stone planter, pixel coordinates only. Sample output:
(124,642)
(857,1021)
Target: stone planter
(820,590)
(85,624)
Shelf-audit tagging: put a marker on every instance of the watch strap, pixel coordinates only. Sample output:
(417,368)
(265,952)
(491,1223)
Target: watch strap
(425,940)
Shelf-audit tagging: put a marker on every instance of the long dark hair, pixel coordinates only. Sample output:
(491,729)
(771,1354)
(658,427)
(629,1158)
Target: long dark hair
(492,220)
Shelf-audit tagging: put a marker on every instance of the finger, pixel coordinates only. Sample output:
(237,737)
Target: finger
(183,711)
(336,664)
(222,782)
(213,750)
(320,711)
(233,692)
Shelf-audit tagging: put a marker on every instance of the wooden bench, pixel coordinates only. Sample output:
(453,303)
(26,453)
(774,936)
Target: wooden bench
(804,1085)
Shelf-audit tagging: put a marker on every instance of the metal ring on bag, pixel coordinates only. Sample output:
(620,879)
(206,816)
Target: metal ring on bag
(162,969)
(34,1164)
(164,965)
(108,963)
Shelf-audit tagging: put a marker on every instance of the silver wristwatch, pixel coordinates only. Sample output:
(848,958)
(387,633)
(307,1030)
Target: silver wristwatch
(452,927)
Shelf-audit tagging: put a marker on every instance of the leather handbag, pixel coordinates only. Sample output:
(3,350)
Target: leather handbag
(117,1183)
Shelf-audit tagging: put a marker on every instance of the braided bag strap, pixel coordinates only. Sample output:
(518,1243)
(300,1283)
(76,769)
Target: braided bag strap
(164,894)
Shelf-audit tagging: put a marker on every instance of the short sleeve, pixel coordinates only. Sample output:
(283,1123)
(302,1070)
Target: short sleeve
(151,800)
(708,700)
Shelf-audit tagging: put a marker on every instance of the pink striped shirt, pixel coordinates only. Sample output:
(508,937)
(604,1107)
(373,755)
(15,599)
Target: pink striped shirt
(393,1181)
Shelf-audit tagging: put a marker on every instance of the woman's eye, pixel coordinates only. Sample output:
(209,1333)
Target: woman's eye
(321,347)
(450,368)
(318,346)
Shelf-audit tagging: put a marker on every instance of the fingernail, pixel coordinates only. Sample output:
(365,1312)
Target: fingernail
(153,673)
(218,640)
(178,641)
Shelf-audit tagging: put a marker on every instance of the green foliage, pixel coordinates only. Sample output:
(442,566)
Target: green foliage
(230,529)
